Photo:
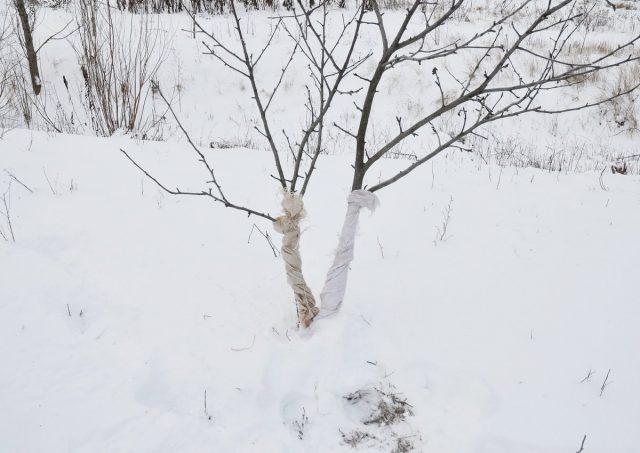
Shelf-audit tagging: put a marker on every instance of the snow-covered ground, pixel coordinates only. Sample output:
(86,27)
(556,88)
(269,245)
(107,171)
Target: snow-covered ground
(121,306)
(492,307)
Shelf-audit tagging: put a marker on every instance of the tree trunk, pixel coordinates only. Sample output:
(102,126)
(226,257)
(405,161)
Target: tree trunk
(336,282)
(289,226)
(335,285)
(32,58)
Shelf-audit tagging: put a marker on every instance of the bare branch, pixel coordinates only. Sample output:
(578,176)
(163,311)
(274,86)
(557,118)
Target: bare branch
(202,193)
(220,196)
(12,176)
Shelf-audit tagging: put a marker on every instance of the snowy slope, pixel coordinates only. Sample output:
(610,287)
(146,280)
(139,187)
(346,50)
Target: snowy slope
(120,306)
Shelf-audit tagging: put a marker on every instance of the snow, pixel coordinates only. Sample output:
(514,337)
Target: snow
(488,334)
(124,310)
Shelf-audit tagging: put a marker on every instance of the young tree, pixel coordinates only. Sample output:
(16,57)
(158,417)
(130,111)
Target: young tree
(327,69)
(494,89)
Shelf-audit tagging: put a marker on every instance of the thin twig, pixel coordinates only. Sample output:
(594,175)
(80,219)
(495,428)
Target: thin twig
(264,235)
(177,191)
(12,176)
(584,438)
(587,377)
(7,213)
(206,411)
(605,383)
(53,191)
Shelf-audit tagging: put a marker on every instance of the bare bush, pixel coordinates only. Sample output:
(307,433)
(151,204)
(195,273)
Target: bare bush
(16,96)
(5,70)
(5,211)
(119,58)
(20,96)
(15,90)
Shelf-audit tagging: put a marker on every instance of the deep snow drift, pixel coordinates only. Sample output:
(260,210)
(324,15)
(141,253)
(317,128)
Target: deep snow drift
(120,306)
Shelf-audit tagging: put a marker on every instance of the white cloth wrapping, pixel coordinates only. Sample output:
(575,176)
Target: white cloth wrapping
(335,285)
(289,226)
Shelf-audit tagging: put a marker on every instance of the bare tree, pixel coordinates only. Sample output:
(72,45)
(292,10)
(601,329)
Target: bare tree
(494,89)
(326,73)
(22,91)
(27,42)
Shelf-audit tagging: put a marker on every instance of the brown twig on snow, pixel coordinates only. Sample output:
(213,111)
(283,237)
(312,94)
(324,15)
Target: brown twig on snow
(12,176)
(584,438)
(587,377)
(206,411)
(605,383)
(601,179)
(53,191)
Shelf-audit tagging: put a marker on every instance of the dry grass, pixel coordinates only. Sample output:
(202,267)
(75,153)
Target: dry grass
(356,437)
(391,408)
(623,111)
(631,6)
(386,411)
